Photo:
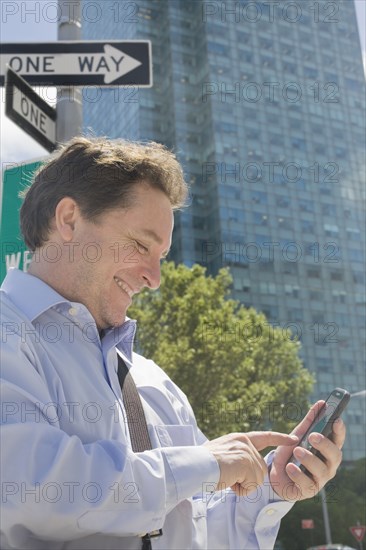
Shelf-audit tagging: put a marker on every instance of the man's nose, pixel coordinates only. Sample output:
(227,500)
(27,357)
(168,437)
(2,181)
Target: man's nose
(152,275)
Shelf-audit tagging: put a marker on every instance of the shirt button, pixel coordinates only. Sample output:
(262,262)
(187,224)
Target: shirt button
(270,512)
(73,311)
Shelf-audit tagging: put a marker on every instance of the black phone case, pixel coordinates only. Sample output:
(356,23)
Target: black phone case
(328,427)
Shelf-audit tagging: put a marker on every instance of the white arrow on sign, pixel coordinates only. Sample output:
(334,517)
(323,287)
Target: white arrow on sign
(112,63)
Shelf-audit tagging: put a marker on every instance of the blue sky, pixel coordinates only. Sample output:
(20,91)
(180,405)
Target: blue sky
(33,21)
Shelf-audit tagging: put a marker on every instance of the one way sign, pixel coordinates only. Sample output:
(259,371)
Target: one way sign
(103,63)
(27,109)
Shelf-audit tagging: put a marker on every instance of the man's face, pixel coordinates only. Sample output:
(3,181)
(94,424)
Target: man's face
(119,256)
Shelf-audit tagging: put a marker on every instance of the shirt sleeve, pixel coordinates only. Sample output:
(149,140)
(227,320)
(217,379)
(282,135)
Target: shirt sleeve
(248,523)
(55,486)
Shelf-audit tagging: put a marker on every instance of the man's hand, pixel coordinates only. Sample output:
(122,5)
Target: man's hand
(241,466)
(288,481)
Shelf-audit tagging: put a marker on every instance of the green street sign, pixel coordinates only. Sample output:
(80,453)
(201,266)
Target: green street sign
(13,250)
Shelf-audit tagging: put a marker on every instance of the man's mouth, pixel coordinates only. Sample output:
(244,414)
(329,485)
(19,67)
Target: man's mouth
(124,286)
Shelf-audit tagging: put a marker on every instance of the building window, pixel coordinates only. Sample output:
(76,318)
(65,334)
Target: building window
(313,272)
(315,295)
(339,296)
(295,314)
(267,288)
(290,268)
(306,206)
(289,67)
(268,62)
(329,210)
(336,276)
(355,255)
(299,144)
(271,312)
(358,277)
(331,230)
(310,72)
(291,290)
(282,201)
(260,218)
(258,197)
(218,49)
(324,364)
(285,223)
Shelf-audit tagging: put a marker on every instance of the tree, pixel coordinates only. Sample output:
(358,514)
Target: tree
(238,371)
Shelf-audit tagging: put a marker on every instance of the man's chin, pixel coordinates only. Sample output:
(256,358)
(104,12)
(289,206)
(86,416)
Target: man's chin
(113,322)
(118,320)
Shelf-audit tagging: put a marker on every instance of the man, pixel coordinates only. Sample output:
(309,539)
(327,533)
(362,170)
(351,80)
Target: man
(99,219)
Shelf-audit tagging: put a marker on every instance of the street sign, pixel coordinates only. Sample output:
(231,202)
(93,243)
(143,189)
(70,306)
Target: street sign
(358,531)
(80,63)
(29,111)
(307,524)
(14,253)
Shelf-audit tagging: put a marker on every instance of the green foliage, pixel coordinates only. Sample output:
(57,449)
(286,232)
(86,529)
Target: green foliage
(239,372)
(346,503)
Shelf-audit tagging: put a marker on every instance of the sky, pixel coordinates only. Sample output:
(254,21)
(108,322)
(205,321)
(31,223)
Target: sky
(16,145)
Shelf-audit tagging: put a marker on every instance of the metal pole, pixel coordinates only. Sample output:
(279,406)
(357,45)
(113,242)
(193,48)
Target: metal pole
(69,105)
(328,536)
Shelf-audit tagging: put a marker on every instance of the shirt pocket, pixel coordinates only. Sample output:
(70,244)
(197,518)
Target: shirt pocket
(175,435)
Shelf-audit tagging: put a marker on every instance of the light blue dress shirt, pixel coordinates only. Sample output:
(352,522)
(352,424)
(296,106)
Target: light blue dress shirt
(69,477)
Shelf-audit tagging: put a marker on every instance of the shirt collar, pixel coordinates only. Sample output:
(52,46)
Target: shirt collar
(122,337)
(30,294)
(33,297)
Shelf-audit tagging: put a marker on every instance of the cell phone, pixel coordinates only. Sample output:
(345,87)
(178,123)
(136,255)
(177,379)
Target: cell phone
(323,422)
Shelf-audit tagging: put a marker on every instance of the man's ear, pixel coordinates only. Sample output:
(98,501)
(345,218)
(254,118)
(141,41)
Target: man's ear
(66,214)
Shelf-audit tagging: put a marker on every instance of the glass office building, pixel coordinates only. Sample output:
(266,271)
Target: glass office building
(264,104)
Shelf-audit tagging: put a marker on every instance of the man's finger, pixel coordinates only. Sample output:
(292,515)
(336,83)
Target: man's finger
(261,440)
(306,422)
(338,434)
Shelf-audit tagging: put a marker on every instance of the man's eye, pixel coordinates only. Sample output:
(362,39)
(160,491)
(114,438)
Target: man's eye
(141,248)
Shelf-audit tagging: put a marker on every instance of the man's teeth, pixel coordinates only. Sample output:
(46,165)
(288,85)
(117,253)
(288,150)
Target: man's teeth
(124,287)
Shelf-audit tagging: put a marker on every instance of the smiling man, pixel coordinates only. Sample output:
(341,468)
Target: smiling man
(108,228)
(99,219)
(114,256)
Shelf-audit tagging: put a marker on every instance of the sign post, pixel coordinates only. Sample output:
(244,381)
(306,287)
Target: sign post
(69,98)
(29,111)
